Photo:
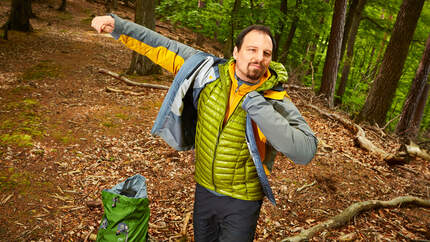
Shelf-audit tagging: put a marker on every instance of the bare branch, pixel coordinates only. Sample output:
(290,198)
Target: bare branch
(306,186)
(129,82)
(110,89)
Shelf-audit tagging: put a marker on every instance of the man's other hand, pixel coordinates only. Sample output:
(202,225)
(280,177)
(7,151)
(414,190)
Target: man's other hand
(104,24)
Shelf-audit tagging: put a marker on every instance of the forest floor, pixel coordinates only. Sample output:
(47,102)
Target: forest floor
(63,139)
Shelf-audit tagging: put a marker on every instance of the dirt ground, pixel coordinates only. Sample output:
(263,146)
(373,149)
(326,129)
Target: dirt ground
(64,138)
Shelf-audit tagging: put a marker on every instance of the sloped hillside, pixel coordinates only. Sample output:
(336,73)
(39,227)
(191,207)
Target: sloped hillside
(64,138)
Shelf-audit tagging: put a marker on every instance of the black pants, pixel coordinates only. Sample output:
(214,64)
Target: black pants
(223,218)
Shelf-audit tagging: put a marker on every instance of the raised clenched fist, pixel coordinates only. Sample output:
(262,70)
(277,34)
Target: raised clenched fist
(104,24)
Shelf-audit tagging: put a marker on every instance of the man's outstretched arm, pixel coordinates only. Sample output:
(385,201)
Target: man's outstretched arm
(163,51)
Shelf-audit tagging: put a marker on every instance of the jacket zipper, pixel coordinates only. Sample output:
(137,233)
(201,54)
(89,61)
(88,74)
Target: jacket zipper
(217,139)
(213,160)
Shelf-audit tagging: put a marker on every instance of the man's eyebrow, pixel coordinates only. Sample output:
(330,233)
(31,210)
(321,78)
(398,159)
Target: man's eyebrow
(256,46)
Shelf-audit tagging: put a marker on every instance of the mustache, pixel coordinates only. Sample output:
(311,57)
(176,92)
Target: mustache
(256,63)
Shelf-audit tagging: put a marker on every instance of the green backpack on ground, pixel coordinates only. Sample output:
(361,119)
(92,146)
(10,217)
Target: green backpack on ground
(126,212)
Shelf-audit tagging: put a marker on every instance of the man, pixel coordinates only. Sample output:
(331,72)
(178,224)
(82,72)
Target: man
(233,112)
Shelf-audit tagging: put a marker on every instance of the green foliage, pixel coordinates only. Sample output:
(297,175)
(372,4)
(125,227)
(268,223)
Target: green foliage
(373,29)
(202,20)
(311,39)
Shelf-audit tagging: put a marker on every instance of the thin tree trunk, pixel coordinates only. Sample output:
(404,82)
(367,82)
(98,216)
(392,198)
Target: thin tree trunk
(291,33)
(348,23)
(331,65)
(369,65)
(382,92)
(419,113)
(199,37)
(355,23)
(323,50)
(145,15)
(228,47)
(406,123)
(108,5)
(284,12)
(62,6)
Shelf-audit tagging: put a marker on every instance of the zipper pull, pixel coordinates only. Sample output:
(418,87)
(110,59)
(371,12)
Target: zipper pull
(115,200)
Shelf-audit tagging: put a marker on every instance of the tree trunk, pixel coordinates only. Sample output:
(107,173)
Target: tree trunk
(331,65)
(406,123)
(19,18)
(228,46)
(144,15)
(284,12)
(217,22)
(355,23)
(348,23)
(199,37)
(62,6)
(416,123)
(382,92)
(289,41)
(108,5)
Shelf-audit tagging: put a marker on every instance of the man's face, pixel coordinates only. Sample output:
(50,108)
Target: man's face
(253,58)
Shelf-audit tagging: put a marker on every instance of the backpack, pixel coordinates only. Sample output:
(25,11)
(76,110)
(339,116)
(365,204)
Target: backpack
(126,212)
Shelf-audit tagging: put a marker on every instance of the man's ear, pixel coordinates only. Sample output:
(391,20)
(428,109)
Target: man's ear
(235,52)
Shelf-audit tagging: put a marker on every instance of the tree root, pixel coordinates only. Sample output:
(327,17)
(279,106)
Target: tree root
(129,82)
(346,215)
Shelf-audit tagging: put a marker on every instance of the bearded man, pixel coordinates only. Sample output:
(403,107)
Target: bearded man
(236,116)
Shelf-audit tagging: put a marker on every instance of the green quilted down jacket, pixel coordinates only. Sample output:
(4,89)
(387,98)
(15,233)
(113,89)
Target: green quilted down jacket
(223,161)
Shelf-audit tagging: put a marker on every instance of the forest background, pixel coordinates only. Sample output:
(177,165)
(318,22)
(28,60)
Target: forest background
(302,30)
(66,134)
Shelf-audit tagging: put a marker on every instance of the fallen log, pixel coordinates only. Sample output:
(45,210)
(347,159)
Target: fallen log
(353,210)
(360,135)
(414,150)
(360,138)
(129,82)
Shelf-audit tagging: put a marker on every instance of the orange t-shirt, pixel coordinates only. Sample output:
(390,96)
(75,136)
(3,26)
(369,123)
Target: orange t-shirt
(236,94)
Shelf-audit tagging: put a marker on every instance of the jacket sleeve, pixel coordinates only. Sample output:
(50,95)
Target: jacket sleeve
(163,51)
(283,125)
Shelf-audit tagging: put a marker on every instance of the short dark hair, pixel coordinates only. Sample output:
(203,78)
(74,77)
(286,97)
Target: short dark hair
(257,27)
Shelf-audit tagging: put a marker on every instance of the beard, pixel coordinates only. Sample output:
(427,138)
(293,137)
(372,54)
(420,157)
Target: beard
(255,73)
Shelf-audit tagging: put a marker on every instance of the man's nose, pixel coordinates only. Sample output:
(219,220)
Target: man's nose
(259,56)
